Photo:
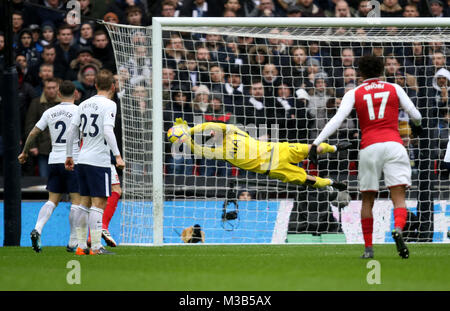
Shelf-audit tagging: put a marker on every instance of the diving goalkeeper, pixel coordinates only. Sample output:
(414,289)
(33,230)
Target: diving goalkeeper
(276,160)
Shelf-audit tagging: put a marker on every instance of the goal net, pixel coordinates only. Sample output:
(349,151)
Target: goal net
(280,84)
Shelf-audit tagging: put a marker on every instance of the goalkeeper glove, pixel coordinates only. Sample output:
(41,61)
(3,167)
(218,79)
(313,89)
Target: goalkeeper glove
(415,129)
(182,123)
(312,155)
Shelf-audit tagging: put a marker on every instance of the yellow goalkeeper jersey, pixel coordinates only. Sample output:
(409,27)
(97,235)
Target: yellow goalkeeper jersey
(233,145)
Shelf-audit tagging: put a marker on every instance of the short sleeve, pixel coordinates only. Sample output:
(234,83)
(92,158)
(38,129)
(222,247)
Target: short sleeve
(76,118)
(110,115)
(42,123)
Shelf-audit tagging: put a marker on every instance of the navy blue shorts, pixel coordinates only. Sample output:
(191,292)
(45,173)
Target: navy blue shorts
(94,181)
(62,181)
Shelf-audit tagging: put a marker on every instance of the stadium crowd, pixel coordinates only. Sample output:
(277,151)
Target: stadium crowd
(293,84)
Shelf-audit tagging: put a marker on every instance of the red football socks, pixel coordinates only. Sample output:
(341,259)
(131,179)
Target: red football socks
(400,215)
(367,230)
(111,206)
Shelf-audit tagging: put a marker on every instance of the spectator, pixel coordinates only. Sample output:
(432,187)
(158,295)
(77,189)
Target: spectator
(410,10)
(189,73)
(216,47)
(86,34)
(111,17)
(290,115)
(135,16)
(217,76)
(200,103)
(48,34)
(85,82)
(84,57)
(201,8)
(342,9)
(25,94)
(36,35)
(309,9)
(169,9)
(42,147)
(391,8)
(65,51)
(271,79)
(266,8)
(235,7)
(346,60)
(46,71)
(437,8)
(392,67)
(140,65)
(317,106)
(48,57)
(175,52)
(364,7)
(119,7)
(293,11)
(259,56)
(17,26)
(233,54)
(400,79)
(229,13)
(245,195)
(255,105)
(103,51)
(26,47)
(233,91)
(85,8)
(51,10)
(168,77)
(297,70)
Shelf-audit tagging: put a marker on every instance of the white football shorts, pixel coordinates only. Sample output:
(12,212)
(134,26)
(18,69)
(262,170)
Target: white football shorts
(389,158)
(114,176)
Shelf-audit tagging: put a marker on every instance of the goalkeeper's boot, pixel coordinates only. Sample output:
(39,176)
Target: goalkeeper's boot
(368,253)
(344,145)
(108,238)
(81,251)
(36,241)
(71,249)
(401,247)
(102,251)
(341,186)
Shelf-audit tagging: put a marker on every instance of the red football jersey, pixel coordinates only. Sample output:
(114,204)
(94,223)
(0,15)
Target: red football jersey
(377,106)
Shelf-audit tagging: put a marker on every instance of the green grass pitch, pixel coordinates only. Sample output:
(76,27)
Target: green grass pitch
(228,267)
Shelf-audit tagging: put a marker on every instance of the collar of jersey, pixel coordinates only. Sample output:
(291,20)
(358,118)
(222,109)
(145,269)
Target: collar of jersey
(371,79)
(65,103)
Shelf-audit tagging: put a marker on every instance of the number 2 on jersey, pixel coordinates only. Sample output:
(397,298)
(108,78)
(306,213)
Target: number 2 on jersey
(384,99)
(84,120)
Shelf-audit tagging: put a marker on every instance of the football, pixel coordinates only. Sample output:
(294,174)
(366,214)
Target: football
(177,134)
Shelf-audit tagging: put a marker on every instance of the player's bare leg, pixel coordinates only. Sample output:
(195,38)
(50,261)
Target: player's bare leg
(368,199)
(44,215)
(400,215)
(111,205)
(95,225)
(75,198)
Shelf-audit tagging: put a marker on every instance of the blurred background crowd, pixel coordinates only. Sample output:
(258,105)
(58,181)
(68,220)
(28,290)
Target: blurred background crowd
(293,84)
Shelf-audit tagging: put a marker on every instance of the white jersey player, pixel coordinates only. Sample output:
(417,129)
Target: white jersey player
(95,121)
(377,105)
(60,181)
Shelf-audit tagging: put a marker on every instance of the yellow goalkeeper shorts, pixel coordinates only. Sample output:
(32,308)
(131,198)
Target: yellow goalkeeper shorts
(283,166)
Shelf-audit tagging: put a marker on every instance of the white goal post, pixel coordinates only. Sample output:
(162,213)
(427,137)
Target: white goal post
(378,30)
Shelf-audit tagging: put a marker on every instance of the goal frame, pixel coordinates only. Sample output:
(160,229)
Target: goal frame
(157,94)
